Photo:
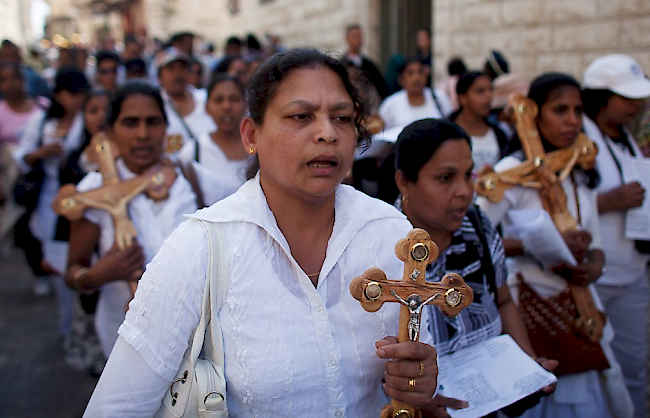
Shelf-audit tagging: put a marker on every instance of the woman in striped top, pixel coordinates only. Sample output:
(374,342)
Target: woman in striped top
(434,168)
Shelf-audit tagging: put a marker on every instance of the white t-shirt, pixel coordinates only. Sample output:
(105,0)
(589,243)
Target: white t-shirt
(198,121)
(396,110)
(232,173)
(624,264)
(485,150)
(290,349)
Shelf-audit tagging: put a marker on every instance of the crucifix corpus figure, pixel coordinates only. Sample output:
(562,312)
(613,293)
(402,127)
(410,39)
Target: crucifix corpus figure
(373,289)
(115,194)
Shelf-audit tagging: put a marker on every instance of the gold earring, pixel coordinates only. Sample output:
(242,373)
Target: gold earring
(251,150)
(404,200)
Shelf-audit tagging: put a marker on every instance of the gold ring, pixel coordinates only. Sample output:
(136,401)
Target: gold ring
(411,385)
(421,369)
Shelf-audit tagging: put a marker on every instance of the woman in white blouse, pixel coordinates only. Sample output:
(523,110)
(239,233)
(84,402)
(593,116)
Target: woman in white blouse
(296,343)
(559,123)
(221,151)
(136,124)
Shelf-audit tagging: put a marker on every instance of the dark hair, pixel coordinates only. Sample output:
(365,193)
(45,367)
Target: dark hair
(466,81)
(252,42)
(14,66)
(95,93)
(134,88)
(68,79)
(178,37)
(225,63)
(463,85)
(135,66)
(268,76)
(402,67)
(496,64)
(107,56)
(595,100)
(352,27)
(233,40)
(541,90)
(420,140)
(222,78)
(456,66)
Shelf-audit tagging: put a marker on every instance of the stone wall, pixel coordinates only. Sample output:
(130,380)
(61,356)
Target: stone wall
(16,25)
(540,35)
(319,23)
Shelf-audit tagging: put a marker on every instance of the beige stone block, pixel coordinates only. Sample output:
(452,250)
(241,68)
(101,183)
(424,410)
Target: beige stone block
(442,21)
(479,16)
(523,64)
(441,44)
(508,40)
(467,44)
(636,33)
(537,39)
(569,10)
(521,12)
(587,36)
(612,8)
(564,63)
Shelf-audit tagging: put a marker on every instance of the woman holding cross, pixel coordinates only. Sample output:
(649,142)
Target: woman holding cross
(295,342)
(136,124)
(580,391)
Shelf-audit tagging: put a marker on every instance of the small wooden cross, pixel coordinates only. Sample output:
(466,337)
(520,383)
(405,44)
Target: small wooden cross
(114,195)
(539,171)
(373,289)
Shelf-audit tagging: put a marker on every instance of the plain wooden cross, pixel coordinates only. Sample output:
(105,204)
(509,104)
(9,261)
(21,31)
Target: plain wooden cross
(114,195)
(373,289)
(539,171)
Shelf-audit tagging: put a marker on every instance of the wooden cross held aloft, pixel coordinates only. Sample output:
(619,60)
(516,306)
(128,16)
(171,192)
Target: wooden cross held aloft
(539,171)
(114,195)
(373,289)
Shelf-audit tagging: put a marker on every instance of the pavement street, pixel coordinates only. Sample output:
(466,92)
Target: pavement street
(34,380)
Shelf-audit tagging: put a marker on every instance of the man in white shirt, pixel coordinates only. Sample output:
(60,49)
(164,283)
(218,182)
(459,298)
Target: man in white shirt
(184,104)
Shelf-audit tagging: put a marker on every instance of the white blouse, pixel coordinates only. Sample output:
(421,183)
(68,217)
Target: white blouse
(231,173)
(198,121)
(290,349)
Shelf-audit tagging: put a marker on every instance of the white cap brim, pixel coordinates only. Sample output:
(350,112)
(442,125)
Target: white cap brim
(635,89)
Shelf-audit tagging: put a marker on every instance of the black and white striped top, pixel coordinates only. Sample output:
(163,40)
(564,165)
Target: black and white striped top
(481,319)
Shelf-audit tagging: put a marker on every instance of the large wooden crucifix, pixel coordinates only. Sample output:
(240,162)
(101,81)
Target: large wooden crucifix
(413,292)
(546,172)
(114,195)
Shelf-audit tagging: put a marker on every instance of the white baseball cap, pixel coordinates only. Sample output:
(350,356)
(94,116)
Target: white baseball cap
(619,74)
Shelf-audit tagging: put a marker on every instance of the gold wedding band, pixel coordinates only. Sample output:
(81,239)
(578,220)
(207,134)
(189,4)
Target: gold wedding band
(421,369)
(411,385)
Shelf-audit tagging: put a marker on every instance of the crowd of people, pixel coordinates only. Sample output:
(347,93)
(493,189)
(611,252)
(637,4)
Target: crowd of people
(270,139)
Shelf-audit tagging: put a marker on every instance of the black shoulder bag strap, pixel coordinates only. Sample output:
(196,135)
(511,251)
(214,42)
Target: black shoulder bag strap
(437,103)
(474,215)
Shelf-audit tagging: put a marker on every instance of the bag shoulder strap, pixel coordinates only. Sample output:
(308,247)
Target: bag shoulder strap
(474,215)
(437,102)
(216,285)
(188,171)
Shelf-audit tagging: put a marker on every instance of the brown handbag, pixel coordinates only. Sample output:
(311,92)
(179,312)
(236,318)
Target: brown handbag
(551,323)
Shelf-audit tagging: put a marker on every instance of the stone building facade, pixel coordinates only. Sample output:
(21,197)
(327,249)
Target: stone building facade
(16,22)
(541,35)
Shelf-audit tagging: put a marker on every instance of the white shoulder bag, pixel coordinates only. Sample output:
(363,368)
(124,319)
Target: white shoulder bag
(199,389)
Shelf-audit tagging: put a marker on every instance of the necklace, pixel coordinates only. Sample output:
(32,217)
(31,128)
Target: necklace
(313,274)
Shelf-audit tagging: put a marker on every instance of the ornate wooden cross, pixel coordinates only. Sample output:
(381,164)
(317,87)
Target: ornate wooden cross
(539,171)
(373,289)
(114,195)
